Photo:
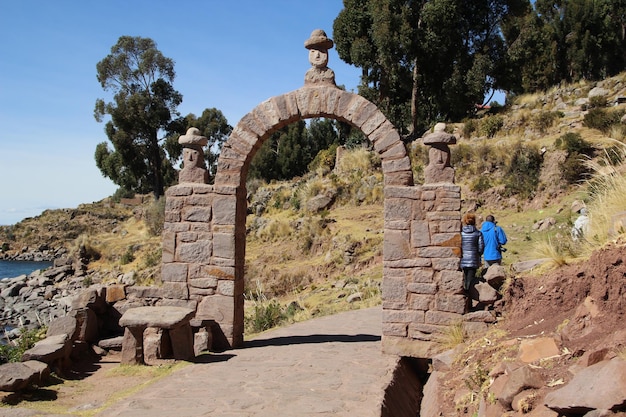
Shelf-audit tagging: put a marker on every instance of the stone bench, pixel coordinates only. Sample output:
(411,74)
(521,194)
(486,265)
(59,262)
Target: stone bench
(173,320)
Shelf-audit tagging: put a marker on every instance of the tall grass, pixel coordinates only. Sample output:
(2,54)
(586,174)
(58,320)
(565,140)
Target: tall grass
(607,187)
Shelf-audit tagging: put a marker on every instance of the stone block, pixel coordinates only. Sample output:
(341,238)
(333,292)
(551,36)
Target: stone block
(446,239)
(396,151)
(201,341)
(439,252)
(451,282)
(420,302)
(224,245)
(174,272)
(196,214)
(396,245)
(204,283)
(412,193)
(384,137)
(395,329)
(156,345)
(420,234)
(421,288)
(226,287)
(442,318)
(446,264)
(397,165)
(179,190)
(403,316)
(398,178)
(224,209)
(394,289)
(194,252)
(219,308)
(532,350)
(177,290)
(397,209)
(115,292)
(422,275)
(450,303)
(186,237)
(401,346)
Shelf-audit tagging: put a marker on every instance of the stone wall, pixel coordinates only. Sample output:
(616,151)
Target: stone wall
(201,259)
(422,283)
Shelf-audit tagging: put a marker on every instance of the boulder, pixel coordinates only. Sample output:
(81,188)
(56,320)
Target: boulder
(18,376)
(599,387)
(495,275)
(520,379)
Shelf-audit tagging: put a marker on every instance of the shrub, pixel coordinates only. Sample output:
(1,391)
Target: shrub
(122,193)
(602,119)
(597,102)
(522,173)
(469,127)
(574,143)
(128,256)
(489,126)
(481,184)
(265,316)
(574,168)
(324,160)
(153,258)
(543,120)
(13,351)
(154,216)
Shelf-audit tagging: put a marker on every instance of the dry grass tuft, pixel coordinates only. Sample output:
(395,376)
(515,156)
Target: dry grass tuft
(452,336)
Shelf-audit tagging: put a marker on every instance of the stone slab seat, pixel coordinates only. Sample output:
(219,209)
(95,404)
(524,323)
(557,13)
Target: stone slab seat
(53,350)
(175,320)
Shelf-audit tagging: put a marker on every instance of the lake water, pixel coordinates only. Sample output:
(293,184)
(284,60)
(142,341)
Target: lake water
(11,269)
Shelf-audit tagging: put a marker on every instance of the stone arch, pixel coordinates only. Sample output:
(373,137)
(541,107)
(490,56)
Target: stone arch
(205,227)
(309,102)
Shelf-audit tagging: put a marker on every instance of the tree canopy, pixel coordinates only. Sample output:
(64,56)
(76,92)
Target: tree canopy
(143,106)
(424,61)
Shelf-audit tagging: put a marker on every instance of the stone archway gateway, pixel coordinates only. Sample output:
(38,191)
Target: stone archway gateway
(205,225)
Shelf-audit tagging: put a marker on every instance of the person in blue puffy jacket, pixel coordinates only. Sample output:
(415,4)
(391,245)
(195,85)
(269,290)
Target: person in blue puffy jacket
(495,239)
(471,249)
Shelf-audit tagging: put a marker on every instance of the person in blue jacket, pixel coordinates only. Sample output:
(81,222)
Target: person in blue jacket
(495,239)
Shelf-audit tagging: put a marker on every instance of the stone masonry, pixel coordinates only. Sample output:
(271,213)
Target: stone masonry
(204,234)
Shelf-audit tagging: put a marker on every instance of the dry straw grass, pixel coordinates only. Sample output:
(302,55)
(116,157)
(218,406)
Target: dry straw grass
(608,196)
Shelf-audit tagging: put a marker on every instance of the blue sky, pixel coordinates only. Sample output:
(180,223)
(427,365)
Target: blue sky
(231,55)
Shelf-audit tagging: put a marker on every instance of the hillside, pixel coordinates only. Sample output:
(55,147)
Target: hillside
(325,232)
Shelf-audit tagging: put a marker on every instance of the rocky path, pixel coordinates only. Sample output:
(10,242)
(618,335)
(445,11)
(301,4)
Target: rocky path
(330,366)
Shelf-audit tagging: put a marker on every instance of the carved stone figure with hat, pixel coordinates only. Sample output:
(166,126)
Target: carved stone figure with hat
(318,45)
(194,168)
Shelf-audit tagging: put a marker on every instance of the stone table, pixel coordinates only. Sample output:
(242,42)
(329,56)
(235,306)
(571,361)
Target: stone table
(175,320)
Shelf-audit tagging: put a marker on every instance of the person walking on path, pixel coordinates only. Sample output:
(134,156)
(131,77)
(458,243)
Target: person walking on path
(495,239)
(472,246)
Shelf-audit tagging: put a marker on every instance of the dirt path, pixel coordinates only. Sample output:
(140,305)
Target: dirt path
(327,366)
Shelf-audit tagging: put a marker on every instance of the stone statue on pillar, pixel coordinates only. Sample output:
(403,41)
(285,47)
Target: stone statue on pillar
(439,169)
(318,45)
(194,168)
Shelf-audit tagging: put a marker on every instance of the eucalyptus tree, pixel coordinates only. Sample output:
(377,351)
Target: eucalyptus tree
(144,103)
(425,60)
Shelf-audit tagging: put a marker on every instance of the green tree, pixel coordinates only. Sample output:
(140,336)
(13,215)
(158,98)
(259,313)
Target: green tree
(567,40)
(144,103)
(428,60)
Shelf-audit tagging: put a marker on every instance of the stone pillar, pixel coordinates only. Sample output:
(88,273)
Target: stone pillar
(199,256)
(422,284)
